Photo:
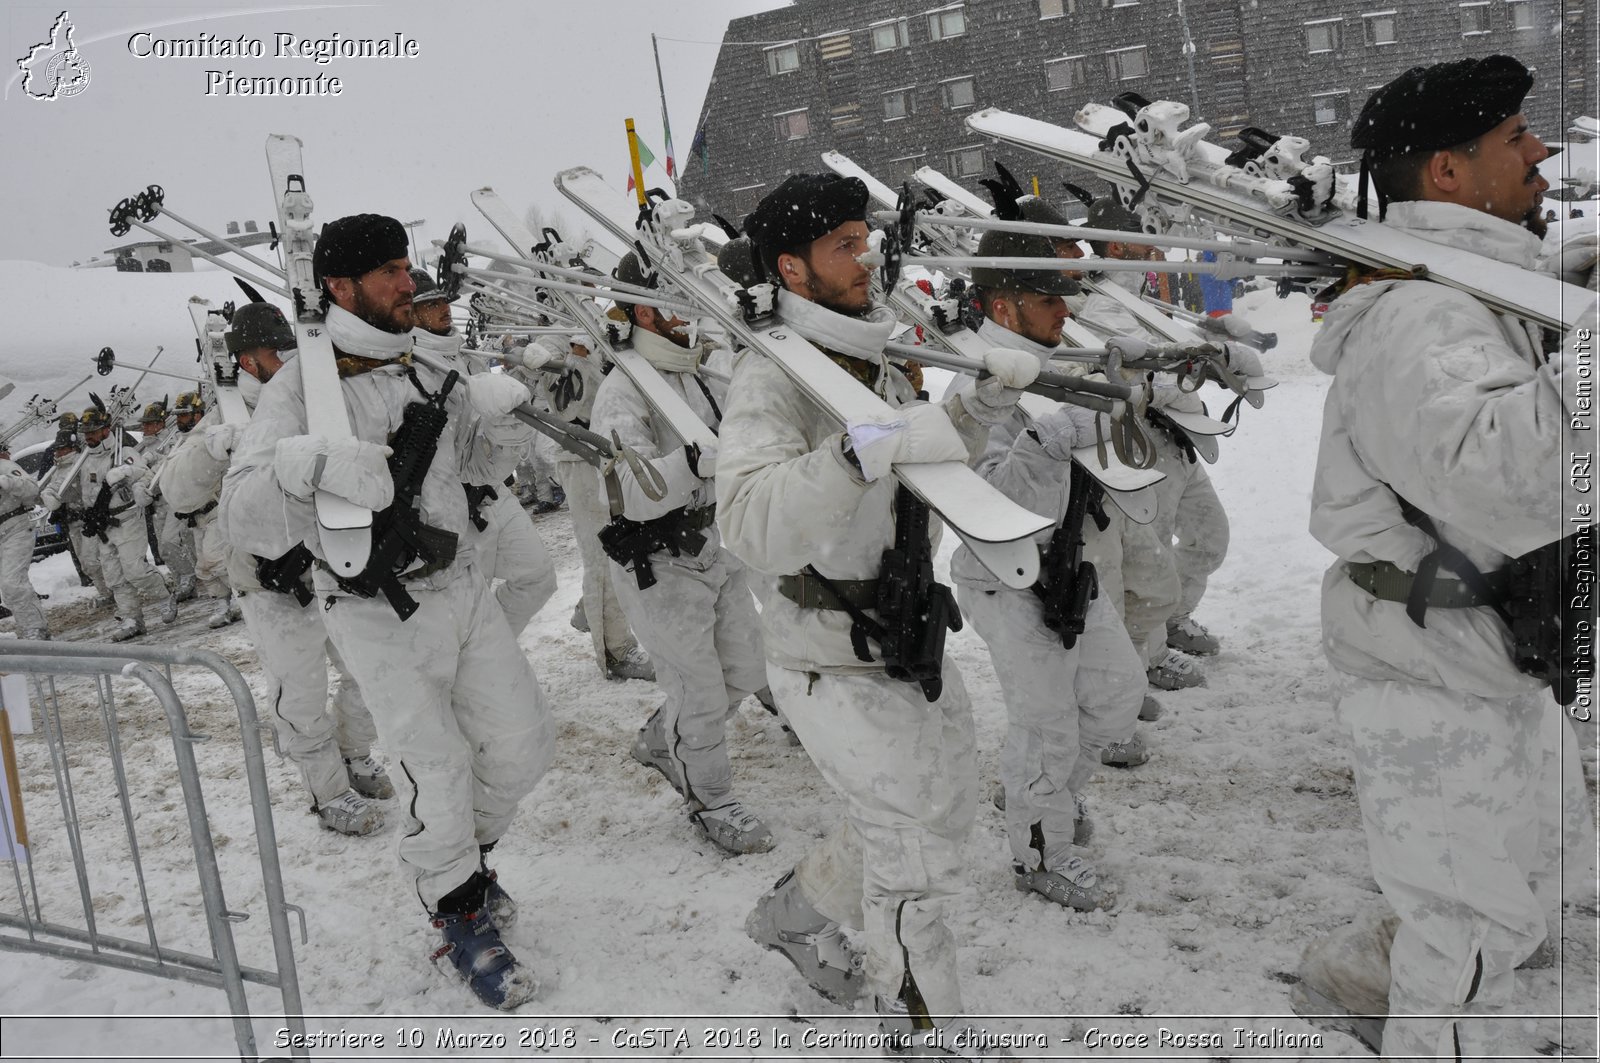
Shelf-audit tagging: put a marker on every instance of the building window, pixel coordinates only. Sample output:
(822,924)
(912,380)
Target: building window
(1068,73)
(950,22)
(1054,8)
(1326,35)
(1521,12)
(1125,64)
(793,125)
(783,59)
(898,103)
(887,36)
(1475,19)
(1380,27)
(1330,108)
(965,162)
(957,93)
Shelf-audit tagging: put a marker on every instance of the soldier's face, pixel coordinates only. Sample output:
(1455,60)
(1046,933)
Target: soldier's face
(829,272)
(381,297)
(1499,174)
(1033,316)
(1070,249)
(186,421)
(95,436)
(433,316)
(151,428)
(261,363)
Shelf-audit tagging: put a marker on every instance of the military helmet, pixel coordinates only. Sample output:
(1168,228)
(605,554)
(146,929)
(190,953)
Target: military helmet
(93,419)
(67,421)
(154,413)
(189,402)
(998,243)
(66,439)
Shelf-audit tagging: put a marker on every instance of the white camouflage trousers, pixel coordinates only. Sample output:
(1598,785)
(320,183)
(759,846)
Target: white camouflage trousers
(16,592)
(1062,707)
(1139,579)
(1467,804)
(176,539)
(123,562)
(908,774)
(89,560)
(608,627)
(458,709)
(703,635)
(510,550)
(1190,515)
(211,557)
(295,653)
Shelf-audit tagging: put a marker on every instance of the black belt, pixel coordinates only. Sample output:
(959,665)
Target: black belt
(114,510)
(698,519)
(808,592)
(193,513)
(8,514)
(1389,583)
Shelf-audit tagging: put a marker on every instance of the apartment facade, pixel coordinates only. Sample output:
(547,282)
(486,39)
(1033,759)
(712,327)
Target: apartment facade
(889,82)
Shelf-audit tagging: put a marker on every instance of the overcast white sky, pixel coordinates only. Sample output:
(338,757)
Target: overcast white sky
(502,93)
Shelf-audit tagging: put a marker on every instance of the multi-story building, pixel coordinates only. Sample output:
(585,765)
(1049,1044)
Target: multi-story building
(889,82)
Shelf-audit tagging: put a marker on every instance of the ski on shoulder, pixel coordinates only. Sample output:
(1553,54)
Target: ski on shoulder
(217,366)
(1165,172)
(345,529)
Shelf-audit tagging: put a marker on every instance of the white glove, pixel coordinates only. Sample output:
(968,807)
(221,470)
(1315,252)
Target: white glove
(924,434)
(1127,348)
(1242,360)
(220,440)
(49,499)
(996,394)
(536,356)
(1575,262)
(1065,429)
(118,473)
(495,394)
(141,495)
(353,469)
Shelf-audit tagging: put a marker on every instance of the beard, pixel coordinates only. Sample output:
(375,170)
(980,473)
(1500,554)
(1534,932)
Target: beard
(394,319)
(840,298)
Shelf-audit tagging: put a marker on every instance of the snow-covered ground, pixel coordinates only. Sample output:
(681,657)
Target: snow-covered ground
(1235,846)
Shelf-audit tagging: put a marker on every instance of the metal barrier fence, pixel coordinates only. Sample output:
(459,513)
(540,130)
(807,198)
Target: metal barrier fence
(58,673)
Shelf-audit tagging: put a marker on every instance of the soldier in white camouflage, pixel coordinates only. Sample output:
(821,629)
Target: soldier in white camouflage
(1443,440)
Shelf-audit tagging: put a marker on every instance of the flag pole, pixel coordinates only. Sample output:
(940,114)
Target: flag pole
(666,126)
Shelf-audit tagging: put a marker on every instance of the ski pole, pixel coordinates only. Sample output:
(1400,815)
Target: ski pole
(516,301)
(207,255)
(627,293)
(1223,269)
(1263,341)
(1238,248)
(151,202)
(1051,385)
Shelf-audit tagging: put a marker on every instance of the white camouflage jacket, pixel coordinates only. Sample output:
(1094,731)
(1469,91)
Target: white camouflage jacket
(18,490)
(1456,409)
(259,517)
(788,498)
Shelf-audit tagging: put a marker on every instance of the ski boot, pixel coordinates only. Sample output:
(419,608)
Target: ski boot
(368,778)
(1150,710)
(1129,754)
(126,629)
(1074,885)
(169,609)
(349,813)
(650,748)
(186,587)
(784,922)
(635,664)
(502,909)
(1186,634)
(223,614)
(1344,980)
(1175,672)
(472,945)
(733,829)
(38,634)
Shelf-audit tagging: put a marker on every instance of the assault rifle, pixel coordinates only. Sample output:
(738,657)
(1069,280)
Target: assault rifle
(399,538)
(1067,582)
(1548,607)
(631,542)
(97,514)
(915,610)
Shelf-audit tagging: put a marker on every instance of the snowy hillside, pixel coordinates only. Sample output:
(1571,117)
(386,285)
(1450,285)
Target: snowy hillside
(1235,846)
